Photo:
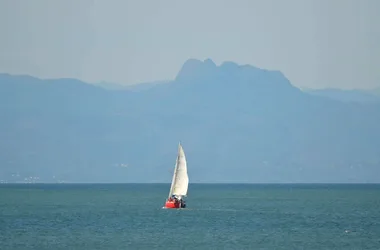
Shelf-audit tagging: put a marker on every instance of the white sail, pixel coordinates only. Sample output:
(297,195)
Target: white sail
(180,181)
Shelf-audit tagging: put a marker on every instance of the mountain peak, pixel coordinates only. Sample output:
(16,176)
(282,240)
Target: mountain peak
(197,71)
(209,62)
(194,68)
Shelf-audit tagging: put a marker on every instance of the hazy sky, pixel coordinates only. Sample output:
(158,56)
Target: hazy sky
(315,43)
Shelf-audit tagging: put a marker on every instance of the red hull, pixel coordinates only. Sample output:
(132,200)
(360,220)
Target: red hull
(172,204)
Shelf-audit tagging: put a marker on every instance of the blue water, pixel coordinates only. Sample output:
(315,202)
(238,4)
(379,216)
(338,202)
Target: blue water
(130,216)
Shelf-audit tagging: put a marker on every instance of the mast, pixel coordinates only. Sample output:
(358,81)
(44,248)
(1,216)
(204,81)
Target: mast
(175,172)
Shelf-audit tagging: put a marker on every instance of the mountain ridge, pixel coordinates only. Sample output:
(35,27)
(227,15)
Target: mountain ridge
(236,123)
(354,95)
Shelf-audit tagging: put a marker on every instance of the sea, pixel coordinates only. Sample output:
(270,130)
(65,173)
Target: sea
(218,216)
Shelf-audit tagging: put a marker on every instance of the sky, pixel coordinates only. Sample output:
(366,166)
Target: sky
(315,43)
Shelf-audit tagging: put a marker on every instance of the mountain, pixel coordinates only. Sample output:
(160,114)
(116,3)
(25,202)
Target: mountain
(111,86)
(133,87)
(356,95)
(237,123)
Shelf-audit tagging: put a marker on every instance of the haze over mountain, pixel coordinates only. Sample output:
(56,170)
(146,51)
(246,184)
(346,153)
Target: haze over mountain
(237,123)
(355,95)
(375,91)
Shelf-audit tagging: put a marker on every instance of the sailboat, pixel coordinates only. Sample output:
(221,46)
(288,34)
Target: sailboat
(180,182)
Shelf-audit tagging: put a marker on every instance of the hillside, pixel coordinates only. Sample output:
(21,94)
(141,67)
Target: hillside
(236,123)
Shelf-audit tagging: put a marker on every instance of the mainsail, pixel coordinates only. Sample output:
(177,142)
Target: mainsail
(180,181)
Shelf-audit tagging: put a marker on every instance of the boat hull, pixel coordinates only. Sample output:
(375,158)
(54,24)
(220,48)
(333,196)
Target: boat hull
(173,204)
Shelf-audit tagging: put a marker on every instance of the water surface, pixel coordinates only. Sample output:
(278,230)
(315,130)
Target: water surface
(219,216)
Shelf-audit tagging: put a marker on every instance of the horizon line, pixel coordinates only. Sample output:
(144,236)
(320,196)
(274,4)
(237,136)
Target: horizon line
(207,183)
